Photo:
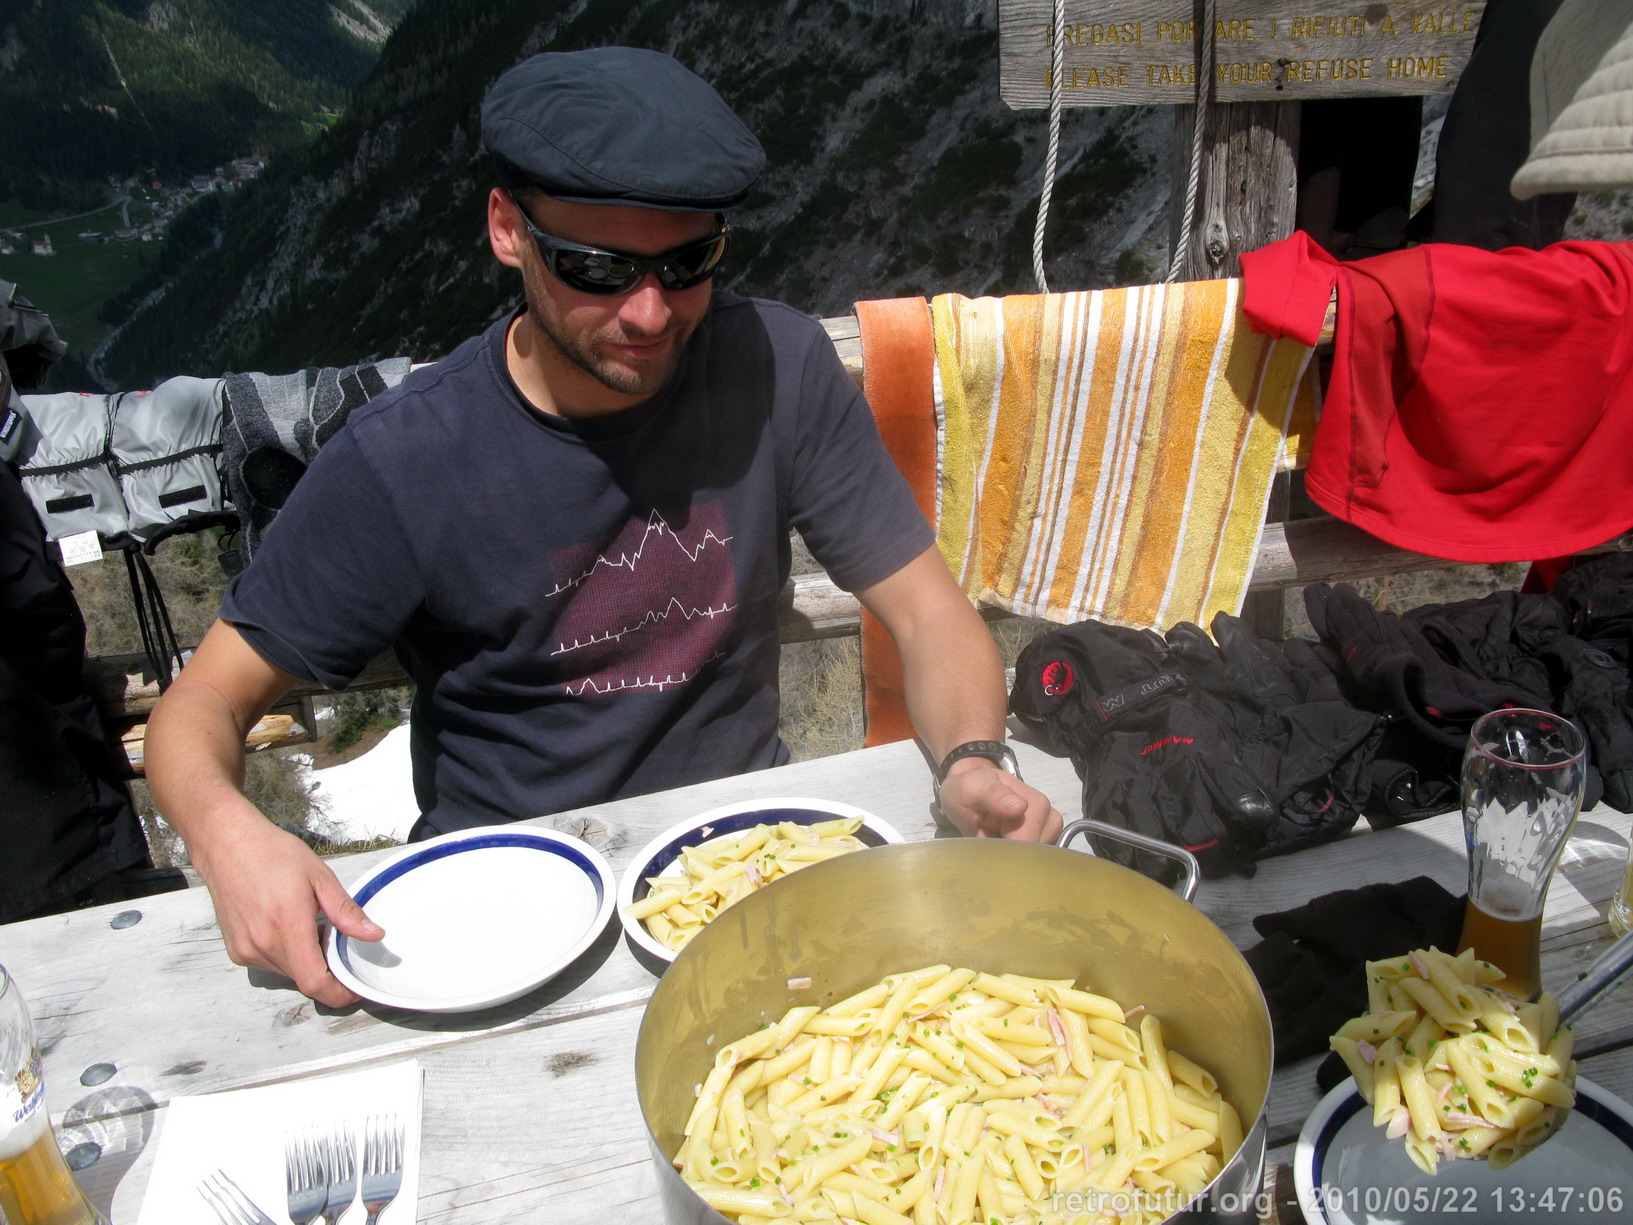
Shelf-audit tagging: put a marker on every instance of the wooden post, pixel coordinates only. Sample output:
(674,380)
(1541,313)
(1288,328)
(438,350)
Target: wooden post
(1247,193)
(1247,196)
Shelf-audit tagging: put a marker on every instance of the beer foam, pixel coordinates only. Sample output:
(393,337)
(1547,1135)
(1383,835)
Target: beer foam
(1507,899)
(22,1136)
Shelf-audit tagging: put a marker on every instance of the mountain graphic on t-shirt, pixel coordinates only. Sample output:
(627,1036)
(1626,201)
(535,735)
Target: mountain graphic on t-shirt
(649,610)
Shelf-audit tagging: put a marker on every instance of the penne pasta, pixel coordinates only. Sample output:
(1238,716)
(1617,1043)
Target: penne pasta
(1462,1071)
(930,1100)
(706,879)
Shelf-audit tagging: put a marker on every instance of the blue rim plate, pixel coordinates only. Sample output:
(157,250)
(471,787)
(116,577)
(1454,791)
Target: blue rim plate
(658,857)
(1348,1172)
(475,918)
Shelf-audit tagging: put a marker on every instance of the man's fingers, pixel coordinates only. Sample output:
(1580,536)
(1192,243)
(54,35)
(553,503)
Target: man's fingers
(339,908)
(310,973)
(268,900)
(1006,807)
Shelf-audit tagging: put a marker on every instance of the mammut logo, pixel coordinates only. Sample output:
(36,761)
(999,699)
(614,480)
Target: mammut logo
(1166,742)
(1057,677)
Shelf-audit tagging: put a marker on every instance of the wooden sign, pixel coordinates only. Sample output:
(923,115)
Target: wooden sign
(1125,52)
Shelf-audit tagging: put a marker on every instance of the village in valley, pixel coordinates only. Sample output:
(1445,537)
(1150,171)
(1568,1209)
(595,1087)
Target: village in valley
(143,204)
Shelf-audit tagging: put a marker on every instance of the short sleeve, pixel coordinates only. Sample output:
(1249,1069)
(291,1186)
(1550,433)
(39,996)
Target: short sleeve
(335,580)
(851,504)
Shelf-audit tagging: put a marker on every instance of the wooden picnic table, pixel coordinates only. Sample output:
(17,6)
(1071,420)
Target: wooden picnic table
(530,1109)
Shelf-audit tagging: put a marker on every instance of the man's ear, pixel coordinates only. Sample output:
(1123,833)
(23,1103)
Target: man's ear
(506,230)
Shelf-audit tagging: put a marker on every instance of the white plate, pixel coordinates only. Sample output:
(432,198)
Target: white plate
(657,858)
(475,918)
(1348,1172)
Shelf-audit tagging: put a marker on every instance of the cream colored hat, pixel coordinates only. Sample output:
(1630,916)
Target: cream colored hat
(1581,101)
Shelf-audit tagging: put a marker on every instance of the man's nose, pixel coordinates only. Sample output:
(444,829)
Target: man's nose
(645,309)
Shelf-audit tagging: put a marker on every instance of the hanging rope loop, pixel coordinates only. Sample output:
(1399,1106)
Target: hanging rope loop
(1193,181)
(1052,156)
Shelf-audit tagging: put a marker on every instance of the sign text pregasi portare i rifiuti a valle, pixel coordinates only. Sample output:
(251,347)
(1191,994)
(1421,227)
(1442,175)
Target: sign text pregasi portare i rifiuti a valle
(1128,52)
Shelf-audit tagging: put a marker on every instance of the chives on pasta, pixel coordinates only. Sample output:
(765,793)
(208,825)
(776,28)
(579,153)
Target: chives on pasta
(1506,1065)
(921,1101)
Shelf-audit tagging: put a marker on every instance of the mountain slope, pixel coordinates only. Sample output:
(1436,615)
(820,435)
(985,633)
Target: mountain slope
(93,88)
(895,169)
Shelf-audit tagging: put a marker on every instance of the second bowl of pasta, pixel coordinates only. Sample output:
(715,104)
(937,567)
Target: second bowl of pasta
(694,870)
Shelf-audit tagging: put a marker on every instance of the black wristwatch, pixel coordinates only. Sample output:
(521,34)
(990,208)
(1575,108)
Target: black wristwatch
(996,750)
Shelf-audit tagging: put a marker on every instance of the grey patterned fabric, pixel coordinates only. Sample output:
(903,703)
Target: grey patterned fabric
(275,425)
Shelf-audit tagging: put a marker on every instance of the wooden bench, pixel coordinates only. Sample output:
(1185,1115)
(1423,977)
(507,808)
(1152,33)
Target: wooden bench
(1292,553)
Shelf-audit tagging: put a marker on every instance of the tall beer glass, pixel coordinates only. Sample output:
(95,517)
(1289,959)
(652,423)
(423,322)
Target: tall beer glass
(36,1185)
(1523,776)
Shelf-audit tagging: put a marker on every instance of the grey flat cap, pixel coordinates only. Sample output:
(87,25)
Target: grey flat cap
(619,125)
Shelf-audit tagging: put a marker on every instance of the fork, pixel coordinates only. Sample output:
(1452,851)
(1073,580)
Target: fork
(307,1178)
(342,1167)
(230,1205)
(382,1164)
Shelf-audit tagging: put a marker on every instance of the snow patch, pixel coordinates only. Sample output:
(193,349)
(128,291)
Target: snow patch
(371,796)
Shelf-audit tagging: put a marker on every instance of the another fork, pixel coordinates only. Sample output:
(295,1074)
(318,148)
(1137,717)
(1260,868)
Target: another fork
(382,1164)
(342,1167)
(307,1178)
(230,1205)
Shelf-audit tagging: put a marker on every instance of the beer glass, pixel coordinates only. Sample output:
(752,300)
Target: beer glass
(1523,775)
(1621,906)
(36,1185)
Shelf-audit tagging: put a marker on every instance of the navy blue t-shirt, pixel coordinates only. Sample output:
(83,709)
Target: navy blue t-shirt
(588,608)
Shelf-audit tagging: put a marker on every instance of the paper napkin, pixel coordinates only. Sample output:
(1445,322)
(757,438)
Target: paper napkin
(242,1132)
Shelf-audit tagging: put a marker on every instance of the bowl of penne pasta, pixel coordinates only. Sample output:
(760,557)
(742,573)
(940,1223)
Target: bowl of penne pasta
(1452,1084)
(692,871)
(958,1030)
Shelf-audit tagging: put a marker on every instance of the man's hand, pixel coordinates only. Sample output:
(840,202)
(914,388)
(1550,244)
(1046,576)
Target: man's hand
(268,886)
(984,801)
(269,890)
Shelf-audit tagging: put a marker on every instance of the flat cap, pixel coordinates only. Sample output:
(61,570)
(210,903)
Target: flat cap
(619,125)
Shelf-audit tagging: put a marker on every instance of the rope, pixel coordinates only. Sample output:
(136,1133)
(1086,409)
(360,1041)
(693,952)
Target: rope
(1204,91)
(1052,157)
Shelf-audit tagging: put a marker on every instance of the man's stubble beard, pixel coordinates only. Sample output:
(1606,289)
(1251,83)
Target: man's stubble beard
(605,372)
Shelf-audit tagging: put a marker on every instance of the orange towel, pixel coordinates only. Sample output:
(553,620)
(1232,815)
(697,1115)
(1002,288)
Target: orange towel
(898,371)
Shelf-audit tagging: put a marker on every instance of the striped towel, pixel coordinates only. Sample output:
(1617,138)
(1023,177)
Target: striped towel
(1109,454)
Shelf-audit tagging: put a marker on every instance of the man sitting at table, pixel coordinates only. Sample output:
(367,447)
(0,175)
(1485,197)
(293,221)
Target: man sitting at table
(574,528)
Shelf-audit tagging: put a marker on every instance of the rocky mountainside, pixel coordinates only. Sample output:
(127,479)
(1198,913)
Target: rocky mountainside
(894,169)
(99,88)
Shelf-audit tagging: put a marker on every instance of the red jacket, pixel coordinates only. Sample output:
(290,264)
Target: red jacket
(1480,407)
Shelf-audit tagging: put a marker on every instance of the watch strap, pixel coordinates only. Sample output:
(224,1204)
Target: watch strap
(994,750)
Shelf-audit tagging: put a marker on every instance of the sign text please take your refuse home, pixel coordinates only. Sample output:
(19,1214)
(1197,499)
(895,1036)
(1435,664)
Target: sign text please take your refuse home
(1128,52)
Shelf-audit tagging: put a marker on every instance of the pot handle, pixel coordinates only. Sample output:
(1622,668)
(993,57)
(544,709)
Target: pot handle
(1186,860)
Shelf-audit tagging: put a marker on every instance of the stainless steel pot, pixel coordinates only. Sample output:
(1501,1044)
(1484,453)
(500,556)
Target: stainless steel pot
(1003,907)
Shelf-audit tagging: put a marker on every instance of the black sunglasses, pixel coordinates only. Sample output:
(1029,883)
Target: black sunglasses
(592,270)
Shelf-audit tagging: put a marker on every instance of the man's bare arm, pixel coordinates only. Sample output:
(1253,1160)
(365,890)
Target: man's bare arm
(267,885)
(954,679)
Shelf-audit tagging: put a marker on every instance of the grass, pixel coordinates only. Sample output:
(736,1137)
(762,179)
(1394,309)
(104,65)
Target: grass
(15,215)
(72,285)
